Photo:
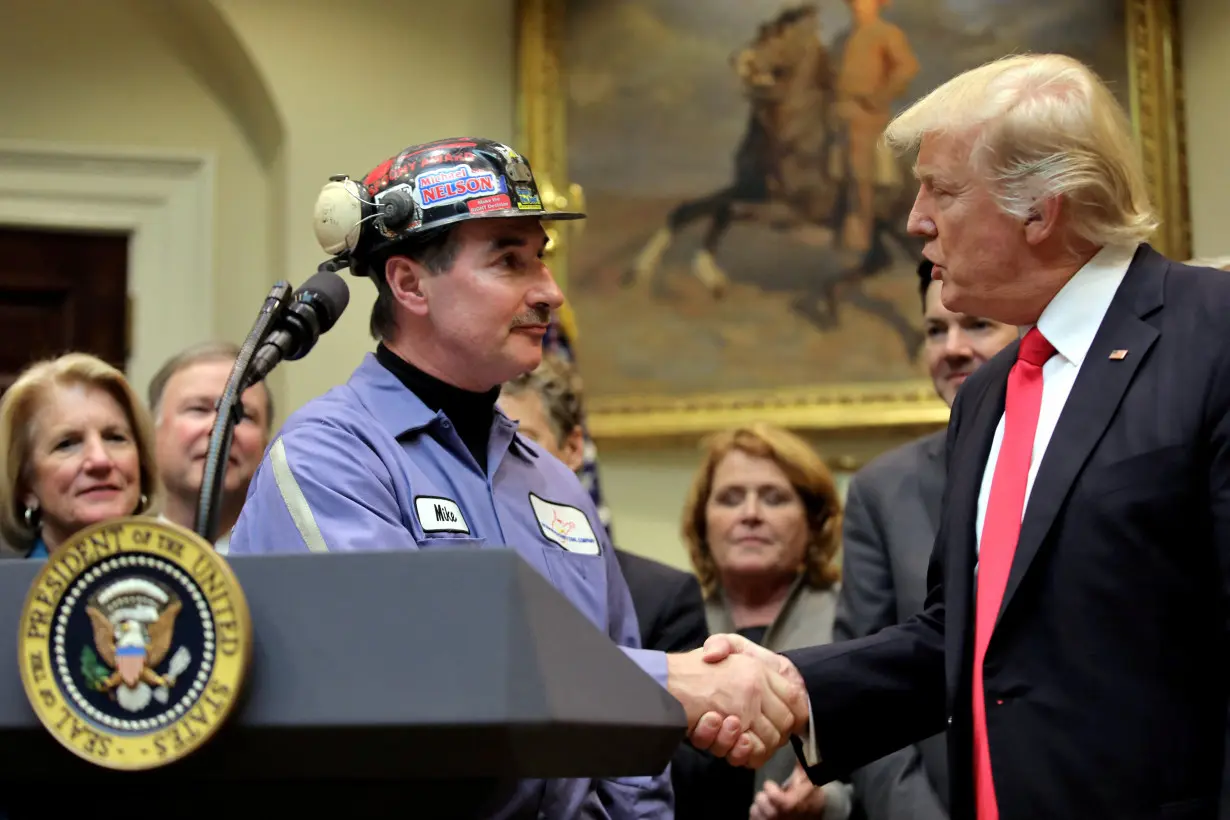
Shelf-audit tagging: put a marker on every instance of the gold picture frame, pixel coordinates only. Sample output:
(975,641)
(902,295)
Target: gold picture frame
(877,408)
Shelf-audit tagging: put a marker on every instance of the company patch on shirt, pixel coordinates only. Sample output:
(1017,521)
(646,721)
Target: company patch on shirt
(565,525)
(439,515)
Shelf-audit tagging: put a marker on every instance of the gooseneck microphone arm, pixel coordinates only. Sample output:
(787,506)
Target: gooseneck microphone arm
(287,328)
(228,413)
(312,311)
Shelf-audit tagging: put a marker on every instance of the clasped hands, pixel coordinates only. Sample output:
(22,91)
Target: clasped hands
(743,701)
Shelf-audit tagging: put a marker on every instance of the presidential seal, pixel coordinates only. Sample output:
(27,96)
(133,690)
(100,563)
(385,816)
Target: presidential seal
(134,642)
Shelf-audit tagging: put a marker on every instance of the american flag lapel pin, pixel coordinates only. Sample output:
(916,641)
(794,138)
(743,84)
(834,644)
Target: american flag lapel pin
(1118,355)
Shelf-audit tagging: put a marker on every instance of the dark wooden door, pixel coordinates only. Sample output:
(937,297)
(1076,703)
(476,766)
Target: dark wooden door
(61,292)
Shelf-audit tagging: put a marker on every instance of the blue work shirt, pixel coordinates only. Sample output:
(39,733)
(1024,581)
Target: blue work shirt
(368,466)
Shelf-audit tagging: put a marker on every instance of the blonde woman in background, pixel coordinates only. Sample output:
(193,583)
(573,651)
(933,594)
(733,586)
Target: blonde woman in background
(762,524)
(78,449)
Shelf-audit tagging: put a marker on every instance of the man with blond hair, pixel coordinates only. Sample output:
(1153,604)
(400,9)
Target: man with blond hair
(1074,639)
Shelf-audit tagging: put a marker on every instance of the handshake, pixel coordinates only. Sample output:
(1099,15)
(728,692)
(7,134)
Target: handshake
(743,702)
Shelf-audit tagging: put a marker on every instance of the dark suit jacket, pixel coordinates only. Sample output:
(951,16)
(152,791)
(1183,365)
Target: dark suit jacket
(1106,676)
(891,517)
(671,612)
(668,604)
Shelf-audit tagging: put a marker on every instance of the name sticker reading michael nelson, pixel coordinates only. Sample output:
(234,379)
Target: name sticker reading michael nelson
(134,641)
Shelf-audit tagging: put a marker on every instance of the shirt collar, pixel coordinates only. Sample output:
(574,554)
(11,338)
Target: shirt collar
(1072,318)
(400,412)
(521,443)
(394,406)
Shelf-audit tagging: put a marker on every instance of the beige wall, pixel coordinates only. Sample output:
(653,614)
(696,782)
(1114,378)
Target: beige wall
(345,83)
(345,86)
(348,79)
(646,491)
(97,74)
(1205,51)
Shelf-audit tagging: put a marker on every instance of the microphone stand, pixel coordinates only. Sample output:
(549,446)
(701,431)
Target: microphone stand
(228,413)
(254,375)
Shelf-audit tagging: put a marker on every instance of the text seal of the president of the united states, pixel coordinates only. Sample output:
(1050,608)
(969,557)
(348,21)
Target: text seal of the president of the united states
(134,642)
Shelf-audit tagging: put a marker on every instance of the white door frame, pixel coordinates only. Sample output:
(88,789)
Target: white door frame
(164,201)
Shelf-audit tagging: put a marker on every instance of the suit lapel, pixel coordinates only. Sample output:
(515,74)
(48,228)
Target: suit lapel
(980,413)
(1091,405)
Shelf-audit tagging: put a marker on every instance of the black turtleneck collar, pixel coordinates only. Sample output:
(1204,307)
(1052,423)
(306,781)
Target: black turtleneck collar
(471,413)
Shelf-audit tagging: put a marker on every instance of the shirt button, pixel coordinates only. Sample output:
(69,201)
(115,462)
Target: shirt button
(950,720)
(445,424)
(999,702)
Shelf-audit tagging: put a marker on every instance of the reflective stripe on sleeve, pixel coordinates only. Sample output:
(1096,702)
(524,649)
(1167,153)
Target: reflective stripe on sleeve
(296,502)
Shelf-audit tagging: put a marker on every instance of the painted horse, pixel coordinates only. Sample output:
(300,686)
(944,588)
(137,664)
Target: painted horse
(783,175)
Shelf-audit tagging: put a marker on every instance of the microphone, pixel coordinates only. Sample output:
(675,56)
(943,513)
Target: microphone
(314,308)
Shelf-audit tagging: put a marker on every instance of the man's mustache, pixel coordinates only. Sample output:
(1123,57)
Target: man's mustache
(539,315)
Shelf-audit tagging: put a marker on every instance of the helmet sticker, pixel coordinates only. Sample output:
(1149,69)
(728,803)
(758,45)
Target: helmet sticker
(527,199)
(441,158)
(497,202)
(378,179)
(460,182)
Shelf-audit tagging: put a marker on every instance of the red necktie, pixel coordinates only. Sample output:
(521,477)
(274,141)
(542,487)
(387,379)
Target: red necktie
(1000,530)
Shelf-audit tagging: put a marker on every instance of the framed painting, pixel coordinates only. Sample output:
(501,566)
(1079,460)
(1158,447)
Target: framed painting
(727,271)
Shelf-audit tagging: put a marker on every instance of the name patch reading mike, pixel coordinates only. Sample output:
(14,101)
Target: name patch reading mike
(456,183)
(440,515)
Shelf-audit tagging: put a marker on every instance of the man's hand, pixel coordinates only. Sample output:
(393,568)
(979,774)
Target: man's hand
(798,799)
(738,707)
(717,732)
(718,647)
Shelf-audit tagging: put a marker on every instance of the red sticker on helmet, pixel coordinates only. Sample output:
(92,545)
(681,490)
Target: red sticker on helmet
(499,202)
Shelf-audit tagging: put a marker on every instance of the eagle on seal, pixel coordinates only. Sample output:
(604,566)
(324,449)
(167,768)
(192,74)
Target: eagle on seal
(134,623)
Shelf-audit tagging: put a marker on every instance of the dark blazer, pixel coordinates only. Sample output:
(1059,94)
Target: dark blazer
(891,517)
(668,604)
(671,612)
(1106,677)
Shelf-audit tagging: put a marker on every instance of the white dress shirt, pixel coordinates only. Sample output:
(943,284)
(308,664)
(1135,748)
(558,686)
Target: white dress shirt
(1069,322)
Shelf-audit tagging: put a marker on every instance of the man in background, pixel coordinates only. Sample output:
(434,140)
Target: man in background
(892,514)
(183,396)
